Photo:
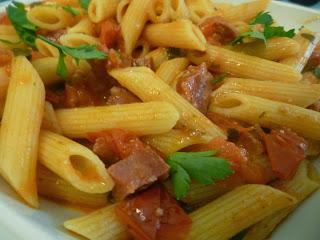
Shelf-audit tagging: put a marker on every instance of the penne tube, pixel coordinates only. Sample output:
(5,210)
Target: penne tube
(149,87)
(140,118)
(159,11)
(175,140)
(275,49)
(100,10)
(299,60)
(244,66)
(157,57)
(102,224)
(256,110)
(19,139)
(133,23)
(7,30)
(52,186)
(237,210)
(50,121)
(179,34)
(78,39)
(300,187)
(74,163)
(11,38)
(84,26)
(170,69)
(47,69)
(302,95)
(122,9)
(49,18)
(46,49)
(243,11)
(200,9)
(179,9)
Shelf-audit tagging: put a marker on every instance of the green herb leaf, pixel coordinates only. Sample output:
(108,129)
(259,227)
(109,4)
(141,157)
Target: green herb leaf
(78,53)
(22,52)
(200,166)
(84,4)
(25,29)
(262,18)
(174,53)
(268,32)
(317,72)
(218,79)
(71,10)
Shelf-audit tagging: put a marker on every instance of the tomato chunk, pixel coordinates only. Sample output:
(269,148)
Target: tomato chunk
(154,215)
(285,150)
(109,33)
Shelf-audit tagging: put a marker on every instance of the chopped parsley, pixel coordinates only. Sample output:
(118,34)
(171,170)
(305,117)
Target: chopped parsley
(84,4)
(71,10)
(268,31)
(203,167)
(317,72)
(218,78)
(27,32)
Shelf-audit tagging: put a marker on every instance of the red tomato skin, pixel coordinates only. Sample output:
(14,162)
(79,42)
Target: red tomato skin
(109,33)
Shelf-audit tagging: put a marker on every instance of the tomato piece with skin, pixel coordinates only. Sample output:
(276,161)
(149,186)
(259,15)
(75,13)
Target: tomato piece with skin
(154,215)
(286,150)
(109,33)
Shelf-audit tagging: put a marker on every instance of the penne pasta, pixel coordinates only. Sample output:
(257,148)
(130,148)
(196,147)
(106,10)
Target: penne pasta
(302,95)
(268,113)
(275,49)
(84,26)
(159,11)
(49,18)
(46,49)
(122,9)
(139,118)
(300,187)
(244,66)
(200,9)
(78,39)
(157,57)
(149,87)
(175,140)
(133,23)
(7,30)
(217,219)
(11,38)
(179,9)
(179,34)
(25,100)
(307,46)
(100,10)
(50,121)
(74,163)
(243,11)
(170,69)
(102,224)
(53,187)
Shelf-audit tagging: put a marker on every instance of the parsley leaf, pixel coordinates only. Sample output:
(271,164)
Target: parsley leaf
(317,72)
(200,166)
(71,10)
(81,52)
(218,79)
(262,18)
(265,19)
(84,4)
(18,17)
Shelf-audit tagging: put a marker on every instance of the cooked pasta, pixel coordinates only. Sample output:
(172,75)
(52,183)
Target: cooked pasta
(179,119)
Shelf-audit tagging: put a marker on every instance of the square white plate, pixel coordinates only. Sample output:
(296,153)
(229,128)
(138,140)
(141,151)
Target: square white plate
(17,221)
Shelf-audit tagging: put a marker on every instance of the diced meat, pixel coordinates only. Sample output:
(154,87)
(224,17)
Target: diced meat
(116,59)
(194,85)
(218,31)
(137,171)
(57,97)
(119,95)
(314,61)
(109,33)
(102,147)
(154,215)
(285,150)
(142,61)
(122,143)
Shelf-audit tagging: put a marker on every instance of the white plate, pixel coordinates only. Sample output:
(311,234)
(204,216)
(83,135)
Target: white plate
(17,221)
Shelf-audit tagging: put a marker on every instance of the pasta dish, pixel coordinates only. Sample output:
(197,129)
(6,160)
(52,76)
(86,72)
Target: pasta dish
(168,119)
